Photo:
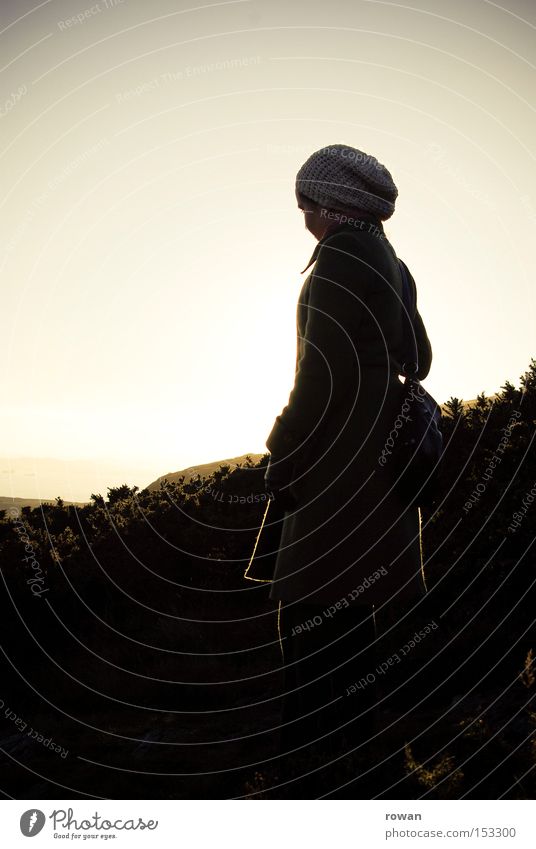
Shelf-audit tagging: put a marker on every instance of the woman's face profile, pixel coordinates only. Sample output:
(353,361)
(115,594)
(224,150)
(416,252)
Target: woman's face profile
(311,214)
(319,219)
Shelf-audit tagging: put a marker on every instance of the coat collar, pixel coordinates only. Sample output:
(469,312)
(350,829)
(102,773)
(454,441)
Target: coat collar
(347,226)
(313,256)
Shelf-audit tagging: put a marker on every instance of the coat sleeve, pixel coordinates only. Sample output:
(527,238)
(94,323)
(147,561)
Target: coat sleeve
(424,348)
(328,363)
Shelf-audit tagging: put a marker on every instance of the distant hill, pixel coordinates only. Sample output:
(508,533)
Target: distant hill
(39,479)
(467,404)
(6,502)
(205,470)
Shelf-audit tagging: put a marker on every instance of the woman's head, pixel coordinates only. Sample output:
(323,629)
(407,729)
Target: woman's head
(343,178)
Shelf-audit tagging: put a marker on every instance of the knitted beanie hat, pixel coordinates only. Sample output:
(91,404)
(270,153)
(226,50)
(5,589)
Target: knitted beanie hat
(338,175)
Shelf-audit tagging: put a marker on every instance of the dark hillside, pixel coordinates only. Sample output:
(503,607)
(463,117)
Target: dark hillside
(149,668)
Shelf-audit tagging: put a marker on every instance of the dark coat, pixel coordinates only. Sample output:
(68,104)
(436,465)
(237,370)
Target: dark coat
(350,539)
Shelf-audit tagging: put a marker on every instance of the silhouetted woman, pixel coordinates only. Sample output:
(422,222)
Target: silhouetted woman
(350,554)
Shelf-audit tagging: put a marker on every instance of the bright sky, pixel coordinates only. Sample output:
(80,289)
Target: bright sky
(152,245)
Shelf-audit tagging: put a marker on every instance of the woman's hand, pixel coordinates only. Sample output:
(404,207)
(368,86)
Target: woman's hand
(277,478)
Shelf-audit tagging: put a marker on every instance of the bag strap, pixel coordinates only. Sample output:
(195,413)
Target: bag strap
(411,360)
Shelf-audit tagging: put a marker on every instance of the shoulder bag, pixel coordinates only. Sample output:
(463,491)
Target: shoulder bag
(417,437)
